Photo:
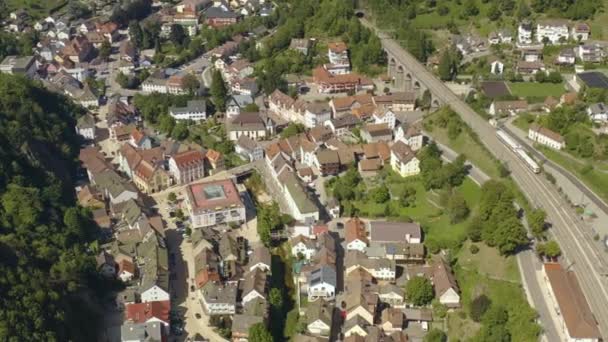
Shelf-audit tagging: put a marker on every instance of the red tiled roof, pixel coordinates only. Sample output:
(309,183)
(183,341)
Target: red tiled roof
(213,155)
(126,265)
(355,229)
(187,158)
(142,312)
(337,47)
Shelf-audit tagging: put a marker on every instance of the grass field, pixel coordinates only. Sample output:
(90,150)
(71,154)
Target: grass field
(489,262)
(465,144)
(36,8)
(523,121)
(595,179)
(536,90)
(434,221)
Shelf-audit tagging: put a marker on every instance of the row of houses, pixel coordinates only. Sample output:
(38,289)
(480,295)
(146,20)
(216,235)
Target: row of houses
(137,252)
(373,304)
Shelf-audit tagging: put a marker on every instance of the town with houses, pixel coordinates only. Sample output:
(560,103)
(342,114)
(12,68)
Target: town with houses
(181,220)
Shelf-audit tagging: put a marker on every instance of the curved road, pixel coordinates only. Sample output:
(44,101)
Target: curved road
(583,255)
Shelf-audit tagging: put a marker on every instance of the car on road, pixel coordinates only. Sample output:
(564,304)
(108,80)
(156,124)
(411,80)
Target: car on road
(192,288)
(340,225)
(197,315)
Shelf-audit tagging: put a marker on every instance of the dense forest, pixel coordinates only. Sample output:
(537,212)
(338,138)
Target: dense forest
(48,280)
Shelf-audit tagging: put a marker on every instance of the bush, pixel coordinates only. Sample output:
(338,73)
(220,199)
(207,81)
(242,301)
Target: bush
(474,249)
(432,246)
(478,307)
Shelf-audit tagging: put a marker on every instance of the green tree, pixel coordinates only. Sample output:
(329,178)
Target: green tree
(523,10)
(292,129)
(419,291)
(446,71)
(435,335)
(136,34)
(536,221)
(470,8)
(408,196)
(275,297)
(177,35)
(494,12)
(252,107)
(269,219)
(122,80)
(191,83)
(478,307)
(171,197)
(105,50)
(381,194)
(458,210)
(259,333)
(218,90)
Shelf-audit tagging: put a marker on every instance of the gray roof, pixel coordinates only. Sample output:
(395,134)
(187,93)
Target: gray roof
(247,121)
(227,247)
(260,254)
(149,332)
(156,264)
(113,183)
(247,143)
(254,281)
(217,12)
(384,231)
(323,274)
(240,100)
(217,293)
(86,121)
(18,63)
(348,120)
(319,310)
(191,106)
(598,108)
(241,323)
(297,192)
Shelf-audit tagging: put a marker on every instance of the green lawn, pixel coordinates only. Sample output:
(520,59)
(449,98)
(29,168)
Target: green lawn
(523,121)
(461,329)
(510,295)
(36,8)
(536,90)
(434,221)
(465,144)
(595,179)
(489,262)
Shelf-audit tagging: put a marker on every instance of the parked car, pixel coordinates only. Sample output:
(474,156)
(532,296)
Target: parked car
(192,288)
(197,315)
(340,225)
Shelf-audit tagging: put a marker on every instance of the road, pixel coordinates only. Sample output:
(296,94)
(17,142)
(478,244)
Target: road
(575,239)
(540,157)
(529,265)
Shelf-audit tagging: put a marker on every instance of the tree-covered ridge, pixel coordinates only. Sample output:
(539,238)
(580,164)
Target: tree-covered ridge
(46,269)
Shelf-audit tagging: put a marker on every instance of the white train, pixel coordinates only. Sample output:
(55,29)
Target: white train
(518,150)
(507,140)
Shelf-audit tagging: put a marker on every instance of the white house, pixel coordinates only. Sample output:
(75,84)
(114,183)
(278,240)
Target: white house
(524,33)
(236,104)
(403,160)
(497,67)
(581,31)
(555,30)
(154,293)
(385,116)
(319,318)
(85,127)
(355,235)
(567,57)
(410,136)
(254,286)
(316,114)
(322,283)
(248,148)
(598,112)
(219,299)
(303,246)
(444,282)
(195,110)
(545,136)
(300,206)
